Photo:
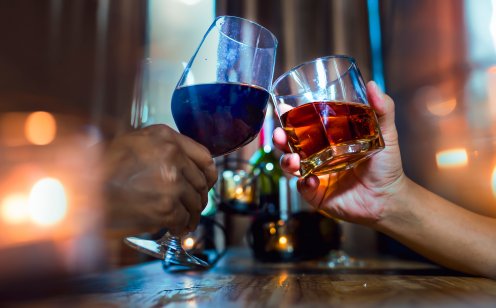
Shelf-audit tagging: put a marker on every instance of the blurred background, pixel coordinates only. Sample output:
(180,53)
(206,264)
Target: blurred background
(73,67)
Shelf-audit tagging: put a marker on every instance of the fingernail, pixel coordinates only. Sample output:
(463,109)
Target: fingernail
(293,156)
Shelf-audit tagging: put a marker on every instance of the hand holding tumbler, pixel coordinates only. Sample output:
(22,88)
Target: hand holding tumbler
(323,108)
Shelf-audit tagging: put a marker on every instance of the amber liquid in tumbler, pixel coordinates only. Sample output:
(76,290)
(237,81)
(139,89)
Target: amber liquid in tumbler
(332,136)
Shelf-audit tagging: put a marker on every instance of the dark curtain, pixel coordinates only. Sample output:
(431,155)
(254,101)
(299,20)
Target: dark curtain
(76,57)
(308,29)
(424,45)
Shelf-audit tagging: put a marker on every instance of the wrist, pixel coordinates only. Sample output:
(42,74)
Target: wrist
(396,210)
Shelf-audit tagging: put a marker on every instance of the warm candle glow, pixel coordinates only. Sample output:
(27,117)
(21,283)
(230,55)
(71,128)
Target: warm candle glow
(40,128)
(284,242)
(272,230)
(15,208)
(188,243)
(452,158)
(47,202)
(239,192)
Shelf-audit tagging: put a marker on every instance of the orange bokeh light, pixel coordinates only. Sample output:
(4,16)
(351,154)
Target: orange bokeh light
(40,128)
(442,108)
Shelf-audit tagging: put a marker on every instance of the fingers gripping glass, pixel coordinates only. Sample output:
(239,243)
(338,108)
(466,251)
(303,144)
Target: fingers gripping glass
(167,248)
(323,107)
(220,101)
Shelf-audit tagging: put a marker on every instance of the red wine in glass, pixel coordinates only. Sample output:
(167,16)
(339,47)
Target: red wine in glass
(221,116)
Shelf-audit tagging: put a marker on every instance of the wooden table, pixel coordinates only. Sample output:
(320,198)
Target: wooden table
(237,280)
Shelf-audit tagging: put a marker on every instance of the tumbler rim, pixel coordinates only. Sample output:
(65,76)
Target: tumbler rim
(325,59)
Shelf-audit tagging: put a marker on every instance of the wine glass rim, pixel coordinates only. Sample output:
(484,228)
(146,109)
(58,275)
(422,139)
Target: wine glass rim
(325,58)
(274,38)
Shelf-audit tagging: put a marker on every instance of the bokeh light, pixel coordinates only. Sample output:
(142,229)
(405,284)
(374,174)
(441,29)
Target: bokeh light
(40,128)
(442,108)
(47,202)
(452,158)
(188,243)
(15,208)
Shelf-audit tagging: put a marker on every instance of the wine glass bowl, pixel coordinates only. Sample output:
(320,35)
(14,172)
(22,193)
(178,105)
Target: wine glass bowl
(323,107)
(221,99)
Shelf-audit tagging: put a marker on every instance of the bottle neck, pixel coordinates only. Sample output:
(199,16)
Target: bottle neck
(265,140)
(283,199)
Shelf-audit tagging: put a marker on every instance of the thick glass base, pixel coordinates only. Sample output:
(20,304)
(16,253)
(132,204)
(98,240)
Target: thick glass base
(341,156)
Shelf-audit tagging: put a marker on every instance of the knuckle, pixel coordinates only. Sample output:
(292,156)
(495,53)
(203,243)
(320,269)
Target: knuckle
(170,223)
(211,173)
(193,221)
(204,199)
(198,202)
(159,130)
(167,207)
(171,150)
(202,186)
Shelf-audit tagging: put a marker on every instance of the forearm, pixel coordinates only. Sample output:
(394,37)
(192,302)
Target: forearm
(440,230)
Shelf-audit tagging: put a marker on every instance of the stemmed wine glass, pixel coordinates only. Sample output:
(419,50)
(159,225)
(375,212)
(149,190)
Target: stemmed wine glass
(220,101)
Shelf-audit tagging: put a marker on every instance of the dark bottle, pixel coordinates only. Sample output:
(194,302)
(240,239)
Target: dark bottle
(265,164)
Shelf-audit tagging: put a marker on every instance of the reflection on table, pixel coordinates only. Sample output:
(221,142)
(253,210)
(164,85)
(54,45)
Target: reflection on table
(239,280)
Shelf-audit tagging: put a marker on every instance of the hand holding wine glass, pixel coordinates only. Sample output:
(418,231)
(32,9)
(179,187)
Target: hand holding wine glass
(220,101)
(157,177)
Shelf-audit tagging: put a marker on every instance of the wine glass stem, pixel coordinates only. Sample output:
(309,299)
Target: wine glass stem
(173,246)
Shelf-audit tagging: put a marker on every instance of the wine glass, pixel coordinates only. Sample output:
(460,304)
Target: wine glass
(220,101)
